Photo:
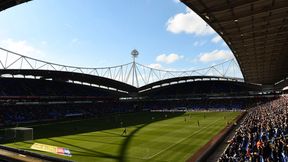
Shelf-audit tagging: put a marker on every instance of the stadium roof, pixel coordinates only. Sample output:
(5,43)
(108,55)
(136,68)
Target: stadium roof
(171,81)
(255,30)
(66,76)
(4,4)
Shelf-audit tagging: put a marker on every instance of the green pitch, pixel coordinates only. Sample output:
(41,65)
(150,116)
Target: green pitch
(150,136)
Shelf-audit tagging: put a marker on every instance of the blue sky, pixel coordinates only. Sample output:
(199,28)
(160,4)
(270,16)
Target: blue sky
(95,33)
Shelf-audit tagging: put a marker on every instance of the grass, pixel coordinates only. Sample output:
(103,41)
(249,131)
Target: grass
(150,136)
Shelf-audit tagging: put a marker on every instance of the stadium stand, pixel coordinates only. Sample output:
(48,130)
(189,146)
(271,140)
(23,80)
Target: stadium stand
(262,136)
(16,114)
(26,100)
(51,100)
(57,99)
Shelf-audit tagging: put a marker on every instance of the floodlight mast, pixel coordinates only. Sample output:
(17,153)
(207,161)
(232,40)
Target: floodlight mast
(134,54)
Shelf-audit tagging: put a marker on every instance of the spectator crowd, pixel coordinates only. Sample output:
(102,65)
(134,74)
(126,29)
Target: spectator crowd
(16,114)
(262,136)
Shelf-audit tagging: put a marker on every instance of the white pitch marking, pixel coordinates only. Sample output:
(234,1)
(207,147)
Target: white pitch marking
(172,145)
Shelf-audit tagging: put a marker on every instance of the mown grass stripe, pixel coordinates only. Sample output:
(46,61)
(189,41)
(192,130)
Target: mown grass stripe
(161,139)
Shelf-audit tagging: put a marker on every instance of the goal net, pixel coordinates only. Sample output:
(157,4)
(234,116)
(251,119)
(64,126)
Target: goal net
(19,134)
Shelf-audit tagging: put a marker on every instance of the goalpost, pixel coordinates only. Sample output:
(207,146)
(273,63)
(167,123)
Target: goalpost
(19,134)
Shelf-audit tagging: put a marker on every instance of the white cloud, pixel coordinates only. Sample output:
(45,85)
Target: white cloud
(216,39)
(188,22)
(215,55)
(199,43)
(169,58)
(155,66)
(22,47)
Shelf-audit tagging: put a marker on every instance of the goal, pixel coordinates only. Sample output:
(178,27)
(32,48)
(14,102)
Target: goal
(19,134)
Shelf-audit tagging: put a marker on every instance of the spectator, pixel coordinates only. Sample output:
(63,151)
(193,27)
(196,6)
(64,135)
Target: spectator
(262,136)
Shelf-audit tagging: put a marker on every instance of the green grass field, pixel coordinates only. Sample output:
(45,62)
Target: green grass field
(150,136)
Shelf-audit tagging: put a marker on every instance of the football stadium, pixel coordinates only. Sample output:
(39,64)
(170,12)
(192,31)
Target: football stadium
(51,112)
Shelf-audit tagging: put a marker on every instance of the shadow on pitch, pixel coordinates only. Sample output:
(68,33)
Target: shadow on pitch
(139,120)
(142,123)
(125,145)
(99,124)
